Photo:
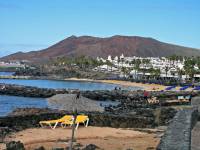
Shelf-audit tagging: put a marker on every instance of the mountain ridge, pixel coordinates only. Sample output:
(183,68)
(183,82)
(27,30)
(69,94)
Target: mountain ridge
(74,46)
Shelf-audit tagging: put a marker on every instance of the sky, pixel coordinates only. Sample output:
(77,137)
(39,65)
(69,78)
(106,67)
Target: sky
(27,25)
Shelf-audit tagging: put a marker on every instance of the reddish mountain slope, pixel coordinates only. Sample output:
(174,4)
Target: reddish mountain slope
(115,46)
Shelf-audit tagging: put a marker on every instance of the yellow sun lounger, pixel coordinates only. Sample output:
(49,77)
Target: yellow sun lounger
(54,123)
(79,119)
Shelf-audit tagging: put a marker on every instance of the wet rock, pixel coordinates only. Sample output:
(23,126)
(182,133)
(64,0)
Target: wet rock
(91,147)
(150,148)
(15,146)
(3,132)
(30,111)
(40,148)
(58,149)
(28,91)
(166,115)
(28,120)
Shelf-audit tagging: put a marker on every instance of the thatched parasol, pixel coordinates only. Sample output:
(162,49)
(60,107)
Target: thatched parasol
(74,103)
(69,103)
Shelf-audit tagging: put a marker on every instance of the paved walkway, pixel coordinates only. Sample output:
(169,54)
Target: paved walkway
(195,145)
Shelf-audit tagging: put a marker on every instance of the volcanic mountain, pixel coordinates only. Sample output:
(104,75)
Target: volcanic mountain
(102,47)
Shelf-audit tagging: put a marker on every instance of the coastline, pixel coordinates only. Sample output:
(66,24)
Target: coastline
(148,87)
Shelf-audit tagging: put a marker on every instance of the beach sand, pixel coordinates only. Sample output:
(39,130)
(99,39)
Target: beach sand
(148,87)
(103,137)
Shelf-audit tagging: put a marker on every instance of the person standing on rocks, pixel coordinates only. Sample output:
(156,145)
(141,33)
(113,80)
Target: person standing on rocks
(146,94)
(78,95)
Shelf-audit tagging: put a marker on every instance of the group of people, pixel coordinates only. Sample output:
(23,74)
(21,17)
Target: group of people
(2,87)
(146,94)
(117,88)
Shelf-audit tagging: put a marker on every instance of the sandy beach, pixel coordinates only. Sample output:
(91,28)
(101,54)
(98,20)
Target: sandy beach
(148,87)
(103,137)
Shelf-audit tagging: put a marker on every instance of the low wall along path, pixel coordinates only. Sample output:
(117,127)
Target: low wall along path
(183,133)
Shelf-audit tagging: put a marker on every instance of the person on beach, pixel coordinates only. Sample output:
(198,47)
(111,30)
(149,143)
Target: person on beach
(3,87)
(78,95)
(146,94)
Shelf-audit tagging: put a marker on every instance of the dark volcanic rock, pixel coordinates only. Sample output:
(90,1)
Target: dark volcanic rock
(3,132)
(58,149)
(96,119)
(15,146)
(166,115)
(90,147)
(132,98)
(40,148)
(28,91)
(31,111)
(139,118)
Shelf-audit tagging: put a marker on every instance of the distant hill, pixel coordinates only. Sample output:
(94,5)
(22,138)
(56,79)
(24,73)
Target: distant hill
(102,47)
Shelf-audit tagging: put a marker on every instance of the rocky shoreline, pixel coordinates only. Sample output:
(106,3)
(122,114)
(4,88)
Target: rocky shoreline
(133,111)
(29,91)
(25,118)
(128,100)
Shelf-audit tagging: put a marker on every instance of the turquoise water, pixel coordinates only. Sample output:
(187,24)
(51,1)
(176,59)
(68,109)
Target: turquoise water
(6,73)
(9,103)
(55,84)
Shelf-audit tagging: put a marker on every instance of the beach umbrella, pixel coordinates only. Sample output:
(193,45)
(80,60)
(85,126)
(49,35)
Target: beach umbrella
(68,102)
(74,107)
(74,103)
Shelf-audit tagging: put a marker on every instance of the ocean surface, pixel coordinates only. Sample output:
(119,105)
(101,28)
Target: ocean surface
(56,84)
(9,103)
(6,73)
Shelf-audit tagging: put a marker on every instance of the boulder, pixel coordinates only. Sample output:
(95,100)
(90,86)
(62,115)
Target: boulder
(91,147)
(15,146)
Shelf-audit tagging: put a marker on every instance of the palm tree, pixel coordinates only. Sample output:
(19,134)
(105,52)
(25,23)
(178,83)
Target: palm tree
(145,62)
(118,61)
(122,60)
(132,63)
(198,62)
(189,67)
(180,73)
(180,58)
(99,63)
(166,70)
(124,70)
(108,63)
(155,72)
(172,58)
(137,65)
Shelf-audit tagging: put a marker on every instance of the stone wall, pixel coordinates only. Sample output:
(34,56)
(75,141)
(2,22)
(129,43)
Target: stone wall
(178,134)
(196,102)
(96,119)
(122,95)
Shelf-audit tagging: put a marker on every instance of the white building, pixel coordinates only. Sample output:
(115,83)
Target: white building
(167,68)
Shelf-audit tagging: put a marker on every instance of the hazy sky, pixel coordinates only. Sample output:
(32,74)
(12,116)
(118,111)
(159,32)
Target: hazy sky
(35,24)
